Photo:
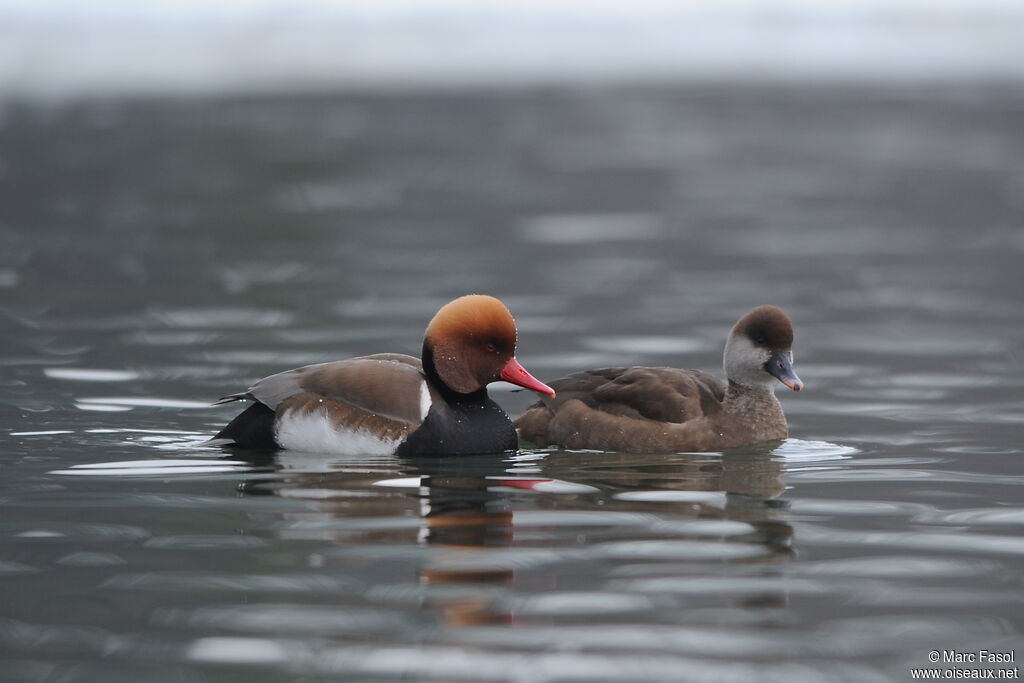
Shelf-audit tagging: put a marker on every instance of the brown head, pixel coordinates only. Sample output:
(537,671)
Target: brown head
(760,350)
(473,342)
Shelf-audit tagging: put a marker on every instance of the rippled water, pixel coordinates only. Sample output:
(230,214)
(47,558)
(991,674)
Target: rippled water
(157,255)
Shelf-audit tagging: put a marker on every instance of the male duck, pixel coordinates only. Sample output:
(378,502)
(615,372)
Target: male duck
(393,403)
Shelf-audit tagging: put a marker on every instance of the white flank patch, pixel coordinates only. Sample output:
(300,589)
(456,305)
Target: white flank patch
(425,401)
(313,433)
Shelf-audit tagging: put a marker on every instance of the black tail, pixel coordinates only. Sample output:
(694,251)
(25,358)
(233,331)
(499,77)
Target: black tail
(251,428)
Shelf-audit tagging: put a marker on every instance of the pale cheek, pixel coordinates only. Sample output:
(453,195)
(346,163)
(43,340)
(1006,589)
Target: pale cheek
(747,364)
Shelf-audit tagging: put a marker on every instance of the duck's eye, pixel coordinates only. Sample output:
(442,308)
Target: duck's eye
(760,340)
(490,347)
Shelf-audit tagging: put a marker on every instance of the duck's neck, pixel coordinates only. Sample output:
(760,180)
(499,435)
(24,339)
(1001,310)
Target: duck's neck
(758,408)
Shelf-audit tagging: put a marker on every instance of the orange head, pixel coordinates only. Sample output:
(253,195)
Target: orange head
(473,343)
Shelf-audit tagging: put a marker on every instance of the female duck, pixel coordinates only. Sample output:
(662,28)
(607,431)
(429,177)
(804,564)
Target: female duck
(667,410)
(393,403)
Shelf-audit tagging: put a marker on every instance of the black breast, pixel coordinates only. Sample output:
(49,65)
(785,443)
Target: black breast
(473,427)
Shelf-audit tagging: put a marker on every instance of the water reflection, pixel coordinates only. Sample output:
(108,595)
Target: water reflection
(691,556)
(481,532)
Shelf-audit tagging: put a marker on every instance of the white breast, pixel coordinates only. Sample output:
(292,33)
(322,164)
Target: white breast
(314,433)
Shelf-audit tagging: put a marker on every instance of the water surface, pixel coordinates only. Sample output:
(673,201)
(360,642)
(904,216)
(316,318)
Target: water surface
(159,254)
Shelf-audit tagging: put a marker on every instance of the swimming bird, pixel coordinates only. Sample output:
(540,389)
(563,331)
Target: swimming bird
(393,403)
(668,410)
